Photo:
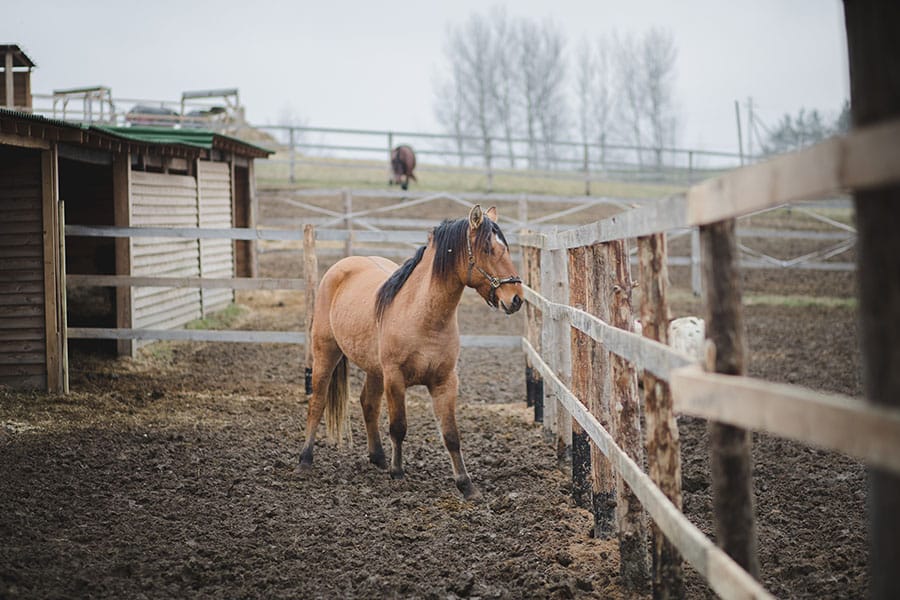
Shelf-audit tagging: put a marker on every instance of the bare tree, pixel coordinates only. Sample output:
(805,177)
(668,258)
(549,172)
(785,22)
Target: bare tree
(630,85)
(449,108)
(543,71)
(470,51)
(594,91)
(506,77)
(658,54)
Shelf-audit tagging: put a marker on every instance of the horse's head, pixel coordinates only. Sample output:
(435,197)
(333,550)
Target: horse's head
(489,268)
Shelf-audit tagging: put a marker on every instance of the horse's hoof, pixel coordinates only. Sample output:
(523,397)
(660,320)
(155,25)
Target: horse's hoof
(379,461)
(468,489)
(397,474)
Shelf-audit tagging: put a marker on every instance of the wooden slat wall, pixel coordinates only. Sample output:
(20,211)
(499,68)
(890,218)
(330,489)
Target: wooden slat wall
(23,360)
(216,256)
(164,200)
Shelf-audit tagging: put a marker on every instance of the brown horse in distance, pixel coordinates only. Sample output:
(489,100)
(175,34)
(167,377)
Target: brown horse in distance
(403,161)
(399,325)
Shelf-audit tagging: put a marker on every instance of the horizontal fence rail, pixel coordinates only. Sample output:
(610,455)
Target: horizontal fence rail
(863,159)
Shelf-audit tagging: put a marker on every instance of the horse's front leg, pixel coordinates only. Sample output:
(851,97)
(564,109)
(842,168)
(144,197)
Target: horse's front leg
(395,390)
(444,396)
(373,388)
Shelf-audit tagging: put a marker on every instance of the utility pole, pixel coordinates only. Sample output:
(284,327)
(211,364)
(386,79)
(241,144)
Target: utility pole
(750,127)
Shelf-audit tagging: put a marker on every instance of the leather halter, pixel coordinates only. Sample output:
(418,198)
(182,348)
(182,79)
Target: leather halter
(494,281)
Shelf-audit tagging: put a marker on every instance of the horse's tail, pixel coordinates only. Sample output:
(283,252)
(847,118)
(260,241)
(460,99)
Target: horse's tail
(337,417)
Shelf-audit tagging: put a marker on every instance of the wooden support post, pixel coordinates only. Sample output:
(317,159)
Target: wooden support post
(587,171)
(293,155)
(581,447)
(311,275)
(534,383)
(603,479)
(348,221)
(730,461)
(51,264)
(626,417)
(662,440)
(556,346)
(63,299)
(875,96)
(696,276)
(252,217)
(10,101)
(122,218)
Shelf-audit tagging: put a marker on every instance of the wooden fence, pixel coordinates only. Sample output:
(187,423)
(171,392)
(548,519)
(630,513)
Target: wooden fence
(519,212)
(308,283)
(582,357)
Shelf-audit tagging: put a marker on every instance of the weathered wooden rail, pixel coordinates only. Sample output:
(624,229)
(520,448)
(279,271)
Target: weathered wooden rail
(582,358)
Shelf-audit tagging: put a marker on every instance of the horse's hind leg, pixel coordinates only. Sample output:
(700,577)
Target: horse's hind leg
(370,399)
(443,396)
(324,362)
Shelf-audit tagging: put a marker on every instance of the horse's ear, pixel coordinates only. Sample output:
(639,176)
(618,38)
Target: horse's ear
(476,217)
(492,214)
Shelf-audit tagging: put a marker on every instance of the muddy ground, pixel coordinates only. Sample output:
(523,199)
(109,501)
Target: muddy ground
(172,475)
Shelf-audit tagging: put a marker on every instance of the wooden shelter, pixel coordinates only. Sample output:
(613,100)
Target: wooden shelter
(110,176)
(15,83)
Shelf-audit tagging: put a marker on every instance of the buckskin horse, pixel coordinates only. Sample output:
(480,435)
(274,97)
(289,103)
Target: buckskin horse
(399,325)
(403,161)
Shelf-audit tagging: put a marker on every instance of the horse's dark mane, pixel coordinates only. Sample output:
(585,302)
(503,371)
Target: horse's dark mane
(449,239)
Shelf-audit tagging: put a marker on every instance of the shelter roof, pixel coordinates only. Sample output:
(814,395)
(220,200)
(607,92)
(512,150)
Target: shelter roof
(200,138)
(20,59)
(158,140)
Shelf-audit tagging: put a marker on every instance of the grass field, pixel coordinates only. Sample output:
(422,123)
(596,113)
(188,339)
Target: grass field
(312,172)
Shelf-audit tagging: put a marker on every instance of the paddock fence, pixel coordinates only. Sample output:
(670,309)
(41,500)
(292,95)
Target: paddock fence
(582,358)
(820,247)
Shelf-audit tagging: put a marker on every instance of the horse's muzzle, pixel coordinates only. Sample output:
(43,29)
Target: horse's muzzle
(516,305)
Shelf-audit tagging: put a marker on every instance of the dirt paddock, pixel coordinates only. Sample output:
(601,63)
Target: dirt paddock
(172,475)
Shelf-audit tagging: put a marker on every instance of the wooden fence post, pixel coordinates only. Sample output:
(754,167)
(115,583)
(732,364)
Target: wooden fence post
(581,447)
(534,383)
(730,462)
(587,171)
(348,221)
(626,425)
(875,97)
(489,159)
(696,277)
(603,479)
(311,274)
(555,344)
(293,155)
(662,440)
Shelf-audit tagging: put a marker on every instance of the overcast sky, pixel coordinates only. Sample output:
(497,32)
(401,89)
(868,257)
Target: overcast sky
(372,64)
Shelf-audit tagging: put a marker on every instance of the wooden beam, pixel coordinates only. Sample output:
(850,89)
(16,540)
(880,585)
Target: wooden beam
(730,461)
(12,139)
(724,576)
(603,478)
(311,274)
(581,372)
(49,194)
(555,340)
(626,419)
(873,46)
(227,283)
(866,431)
(662,439)
(644,353)
(124,249)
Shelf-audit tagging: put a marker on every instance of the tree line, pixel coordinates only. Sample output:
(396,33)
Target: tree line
(512,87)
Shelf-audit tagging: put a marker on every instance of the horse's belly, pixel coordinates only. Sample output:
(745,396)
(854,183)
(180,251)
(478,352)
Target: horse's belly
(352,317)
